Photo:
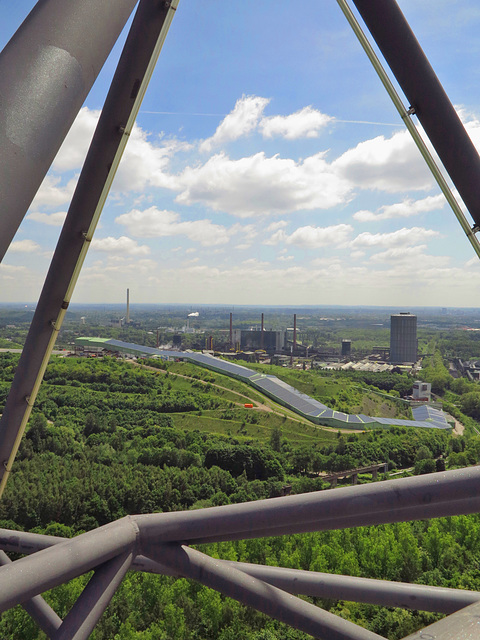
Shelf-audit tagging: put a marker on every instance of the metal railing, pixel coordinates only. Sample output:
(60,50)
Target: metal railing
(160,543)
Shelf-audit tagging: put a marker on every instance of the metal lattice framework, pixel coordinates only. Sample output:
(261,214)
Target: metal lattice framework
(65,45)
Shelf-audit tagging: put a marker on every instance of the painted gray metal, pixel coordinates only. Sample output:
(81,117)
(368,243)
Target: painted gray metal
(37,608)
(162,538)
(112,549)
(367,590)
(90,606)
(46,72)
(108,137)
(419,497)
(309,583)
(257,594)
(423,90)
(463,625)
(46,569)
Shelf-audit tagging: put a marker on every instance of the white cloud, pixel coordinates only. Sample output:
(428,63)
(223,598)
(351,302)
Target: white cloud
(388,164)
(241,121)
(52,219)
(52,193)
(404,209)
(401,237)
(144,164)
(122,245)
(24,246)
(280,224)
(75,146)
(258,185)
(310,237)
(315,237)
(305,123)
(154,223)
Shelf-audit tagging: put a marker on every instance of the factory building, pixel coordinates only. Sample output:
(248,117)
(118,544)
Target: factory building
(403,338)
(271,341)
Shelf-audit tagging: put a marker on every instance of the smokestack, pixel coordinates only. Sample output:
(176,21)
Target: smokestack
(127,319)
(158,338)
(261,335)
(231,330)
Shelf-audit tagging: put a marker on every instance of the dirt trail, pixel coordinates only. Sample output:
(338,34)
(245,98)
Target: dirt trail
(256,404)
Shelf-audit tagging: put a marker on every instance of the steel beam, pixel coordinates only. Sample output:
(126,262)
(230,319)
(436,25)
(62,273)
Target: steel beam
(308,583)
(89,607)
(134,70)
(259,595)
(462,625)
(37,608)
(46,72)
(25,542)
(367,590)
(423,90)
(32,575)
(419,497)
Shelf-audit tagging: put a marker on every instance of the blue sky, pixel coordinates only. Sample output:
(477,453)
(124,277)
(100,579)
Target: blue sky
(268,166)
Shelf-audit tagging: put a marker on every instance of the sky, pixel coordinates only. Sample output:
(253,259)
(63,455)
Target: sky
(267,167)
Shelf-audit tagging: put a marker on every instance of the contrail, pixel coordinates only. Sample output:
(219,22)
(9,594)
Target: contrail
(222,115)
(382,124)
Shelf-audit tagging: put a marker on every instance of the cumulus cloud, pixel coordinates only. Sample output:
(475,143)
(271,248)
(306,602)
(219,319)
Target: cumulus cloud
(51,219)
(389,164)
(404,209)
(145,164)
(310,237)
(240,122)
(305,123)
(52,193)
(258,185)
(144,161)
(24,246)
(401,237)
(274,226)
(154,223)
(122,245)
(75,146)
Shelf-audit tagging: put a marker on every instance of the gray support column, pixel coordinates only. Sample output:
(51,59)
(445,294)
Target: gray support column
(89,607)
(37,608)
(27,577)
(259,595)
(463,625)
(46,72)
(136,64)
(410,66)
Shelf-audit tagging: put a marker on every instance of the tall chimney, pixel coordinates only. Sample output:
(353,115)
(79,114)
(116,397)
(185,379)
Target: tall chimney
(231,330)
(127,319)
(261,335)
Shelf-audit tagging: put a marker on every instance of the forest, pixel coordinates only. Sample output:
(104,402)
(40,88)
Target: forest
(108,438)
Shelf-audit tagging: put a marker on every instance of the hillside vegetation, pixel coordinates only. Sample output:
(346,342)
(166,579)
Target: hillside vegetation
(108,438)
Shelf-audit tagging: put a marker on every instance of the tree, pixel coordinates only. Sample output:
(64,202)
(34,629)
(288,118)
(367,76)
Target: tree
(276,438)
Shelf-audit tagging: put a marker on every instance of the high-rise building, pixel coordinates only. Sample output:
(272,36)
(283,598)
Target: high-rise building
(403,338)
